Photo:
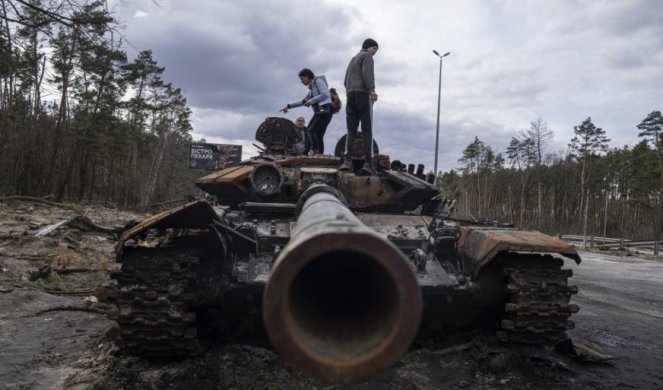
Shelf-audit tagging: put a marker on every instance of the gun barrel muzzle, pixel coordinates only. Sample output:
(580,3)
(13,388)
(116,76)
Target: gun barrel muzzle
(341,303)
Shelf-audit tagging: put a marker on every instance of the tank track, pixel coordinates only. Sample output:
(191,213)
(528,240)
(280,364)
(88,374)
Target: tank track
(538,294)
(154,295)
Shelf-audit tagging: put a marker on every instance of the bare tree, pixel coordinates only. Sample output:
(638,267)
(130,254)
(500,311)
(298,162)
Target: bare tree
(539,135)
(69,13)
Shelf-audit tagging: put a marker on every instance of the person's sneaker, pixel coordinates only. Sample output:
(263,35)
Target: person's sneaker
(368,169)
(313,152)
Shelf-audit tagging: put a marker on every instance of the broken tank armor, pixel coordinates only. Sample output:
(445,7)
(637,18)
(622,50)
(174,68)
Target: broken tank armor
(341,271)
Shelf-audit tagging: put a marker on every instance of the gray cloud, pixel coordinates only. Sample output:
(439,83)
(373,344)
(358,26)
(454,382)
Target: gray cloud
(511,62)
(242,56)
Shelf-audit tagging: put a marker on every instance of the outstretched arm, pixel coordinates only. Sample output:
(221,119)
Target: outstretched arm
(322,86)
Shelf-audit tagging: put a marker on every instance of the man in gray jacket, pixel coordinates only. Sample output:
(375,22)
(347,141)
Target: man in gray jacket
(360,90)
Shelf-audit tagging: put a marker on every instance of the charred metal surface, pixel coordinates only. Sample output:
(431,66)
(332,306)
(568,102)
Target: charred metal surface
(380,222)
(315,175)
(155,296)
(538,306)
(268,208)
(195,215)
(278,134)
(254,269)
(413,189)
(365,192)
(231,185)
(480,245)
(310,160)
(266,179)
(243,235)
(273,233)
(409,239)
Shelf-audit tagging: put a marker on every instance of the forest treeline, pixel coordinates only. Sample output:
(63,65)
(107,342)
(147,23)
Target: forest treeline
(80,122)
(553,192)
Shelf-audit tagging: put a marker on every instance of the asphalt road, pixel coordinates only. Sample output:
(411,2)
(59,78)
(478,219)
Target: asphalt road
(621,310)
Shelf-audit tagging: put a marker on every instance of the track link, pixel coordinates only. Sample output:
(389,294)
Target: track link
(154,295)
(537,309)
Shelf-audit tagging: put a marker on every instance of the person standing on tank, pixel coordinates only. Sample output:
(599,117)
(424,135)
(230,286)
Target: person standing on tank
(360,91)
(318,98)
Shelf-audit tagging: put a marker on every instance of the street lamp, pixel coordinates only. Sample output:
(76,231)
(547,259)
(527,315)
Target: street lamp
(439,96)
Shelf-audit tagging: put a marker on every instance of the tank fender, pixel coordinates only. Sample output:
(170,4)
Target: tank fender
(479,245)
(194,215)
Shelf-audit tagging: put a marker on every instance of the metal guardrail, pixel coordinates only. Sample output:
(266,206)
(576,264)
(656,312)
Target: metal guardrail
(570,237)
(606,242)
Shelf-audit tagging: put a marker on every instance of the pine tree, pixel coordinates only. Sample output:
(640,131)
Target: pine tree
(652,131)
(589,141)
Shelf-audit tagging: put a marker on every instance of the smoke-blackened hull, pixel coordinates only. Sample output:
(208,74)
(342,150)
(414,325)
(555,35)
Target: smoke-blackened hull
(342,303)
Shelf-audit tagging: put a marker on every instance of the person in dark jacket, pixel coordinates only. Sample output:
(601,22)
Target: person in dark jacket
(319,99)
(360,90)
(300,147)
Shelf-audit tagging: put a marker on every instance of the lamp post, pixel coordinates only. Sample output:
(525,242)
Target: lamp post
(437,127)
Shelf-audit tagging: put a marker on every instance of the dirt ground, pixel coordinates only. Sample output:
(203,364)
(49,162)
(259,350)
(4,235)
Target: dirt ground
(54,334)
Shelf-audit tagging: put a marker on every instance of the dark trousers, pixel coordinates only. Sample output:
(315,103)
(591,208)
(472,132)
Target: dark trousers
(358,110)
(316,130)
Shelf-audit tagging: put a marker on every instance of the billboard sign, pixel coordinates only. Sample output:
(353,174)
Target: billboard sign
(214,156)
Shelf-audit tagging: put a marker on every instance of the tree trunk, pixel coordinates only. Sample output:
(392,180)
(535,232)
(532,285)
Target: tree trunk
(61,122)
(92,185)
(539,198)
(522,200)
(154,169)
(582,188)
(70,164)
(10,61)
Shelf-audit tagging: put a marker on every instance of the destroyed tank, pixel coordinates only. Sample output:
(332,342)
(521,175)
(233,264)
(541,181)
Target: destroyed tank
(341,272)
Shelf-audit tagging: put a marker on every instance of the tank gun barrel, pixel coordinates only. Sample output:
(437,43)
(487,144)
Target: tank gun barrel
(342,302)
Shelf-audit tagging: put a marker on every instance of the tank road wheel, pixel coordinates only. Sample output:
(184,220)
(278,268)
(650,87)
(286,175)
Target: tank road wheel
(154,296)
(537,307)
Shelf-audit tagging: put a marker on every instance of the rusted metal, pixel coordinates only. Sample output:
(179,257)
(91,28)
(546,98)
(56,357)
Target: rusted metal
(233,180)
(365,192)
(227,174)
(278,134)
(341,302)
(309,160)
(155,314)
(480,245)
(194,215)
(537,308)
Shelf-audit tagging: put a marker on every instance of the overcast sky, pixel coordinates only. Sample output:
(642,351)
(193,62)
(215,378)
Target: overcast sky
(511,62)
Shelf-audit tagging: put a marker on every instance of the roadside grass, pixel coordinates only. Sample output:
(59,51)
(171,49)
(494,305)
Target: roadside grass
(51,282)
(70,283)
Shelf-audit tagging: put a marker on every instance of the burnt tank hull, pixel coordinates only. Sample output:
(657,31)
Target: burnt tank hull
(339,272)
